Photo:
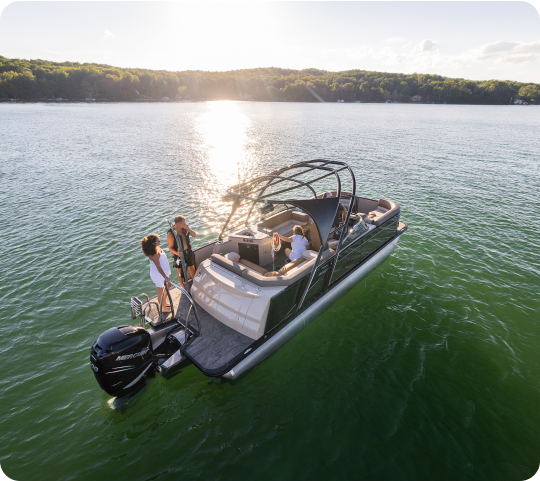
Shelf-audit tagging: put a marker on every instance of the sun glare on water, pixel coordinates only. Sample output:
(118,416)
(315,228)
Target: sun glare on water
(225,156)
(224,131)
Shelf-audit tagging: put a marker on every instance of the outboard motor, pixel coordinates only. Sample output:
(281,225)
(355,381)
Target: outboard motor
(120,358)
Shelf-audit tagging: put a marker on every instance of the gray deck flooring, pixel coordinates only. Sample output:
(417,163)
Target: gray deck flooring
(218,343)
(280,260)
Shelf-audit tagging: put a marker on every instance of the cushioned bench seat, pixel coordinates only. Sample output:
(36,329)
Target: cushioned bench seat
(234,263)
(230,265)
(290,277)
(385,210)
(252,266)
(283,222)
(291,272)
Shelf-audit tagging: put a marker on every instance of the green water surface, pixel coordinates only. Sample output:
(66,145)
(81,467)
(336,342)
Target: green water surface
(428,369)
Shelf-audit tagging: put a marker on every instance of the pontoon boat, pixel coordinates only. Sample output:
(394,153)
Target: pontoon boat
(234,314)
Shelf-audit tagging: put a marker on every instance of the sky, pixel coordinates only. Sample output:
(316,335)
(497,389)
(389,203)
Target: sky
(473,40)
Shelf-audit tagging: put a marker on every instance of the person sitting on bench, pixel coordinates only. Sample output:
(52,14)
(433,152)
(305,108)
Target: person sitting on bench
(299,245)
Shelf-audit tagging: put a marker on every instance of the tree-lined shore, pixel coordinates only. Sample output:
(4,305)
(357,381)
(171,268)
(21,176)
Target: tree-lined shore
(41,79)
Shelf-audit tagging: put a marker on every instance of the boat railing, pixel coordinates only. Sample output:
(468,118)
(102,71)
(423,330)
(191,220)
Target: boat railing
(138,308)
(312,274)
(148,306)
(191,308)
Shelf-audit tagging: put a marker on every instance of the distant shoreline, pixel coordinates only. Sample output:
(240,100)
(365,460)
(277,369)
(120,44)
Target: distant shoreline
(156,101)
(40,79)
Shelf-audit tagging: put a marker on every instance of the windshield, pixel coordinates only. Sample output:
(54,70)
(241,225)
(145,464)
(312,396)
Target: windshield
(357,231)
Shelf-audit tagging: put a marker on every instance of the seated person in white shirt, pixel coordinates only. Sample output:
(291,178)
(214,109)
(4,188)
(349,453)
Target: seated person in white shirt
(299,245)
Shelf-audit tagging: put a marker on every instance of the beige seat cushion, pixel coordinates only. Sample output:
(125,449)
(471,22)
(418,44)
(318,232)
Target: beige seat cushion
(283,222)
(291,265)
(309,255)
(332,244)
(232,256)
(252,266)
(386,210)
(284,229)
(229,265)
(300,271)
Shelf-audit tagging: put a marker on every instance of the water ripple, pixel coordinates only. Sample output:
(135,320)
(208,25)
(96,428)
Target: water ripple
(427,369)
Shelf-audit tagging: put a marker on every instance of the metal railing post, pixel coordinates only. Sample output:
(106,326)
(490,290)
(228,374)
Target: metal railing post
(192,302)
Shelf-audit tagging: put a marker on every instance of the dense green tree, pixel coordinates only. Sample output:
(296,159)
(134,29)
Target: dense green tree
(40,79)
(530,93)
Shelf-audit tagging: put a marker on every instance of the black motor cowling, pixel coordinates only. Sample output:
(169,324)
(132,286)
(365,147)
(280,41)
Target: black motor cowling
(120,358)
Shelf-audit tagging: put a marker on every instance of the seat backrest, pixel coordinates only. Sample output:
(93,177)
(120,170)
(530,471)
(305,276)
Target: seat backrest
(300,216)
(291,265)
(284,280)
(296,273)
(229,265)
(277,219)
(366,205)
(252,266)
(393,209)
(385,203)
(314,235)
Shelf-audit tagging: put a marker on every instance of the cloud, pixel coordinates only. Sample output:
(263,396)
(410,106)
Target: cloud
(383,54)
(107,34)
(353,53)
(424,46)
(392,56)
(508,52)
(426,57)
(496,47)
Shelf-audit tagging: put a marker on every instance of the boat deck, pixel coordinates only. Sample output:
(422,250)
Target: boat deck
(217,345)
(280,260)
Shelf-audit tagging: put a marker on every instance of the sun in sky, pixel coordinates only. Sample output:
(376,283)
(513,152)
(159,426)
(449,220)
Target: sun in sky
(474,40)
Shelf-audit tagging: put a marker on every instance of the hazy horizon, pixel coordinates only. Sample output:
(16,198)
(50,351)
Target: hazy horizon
(471,40)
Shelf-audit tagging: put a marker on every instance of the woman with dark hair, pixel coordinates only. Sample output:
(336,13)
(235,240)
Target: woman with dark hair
(160,270)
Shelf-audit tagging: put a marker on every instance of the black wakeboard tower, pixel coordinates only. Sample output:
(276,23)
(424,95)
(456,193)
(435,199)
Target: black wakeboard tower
(269,190)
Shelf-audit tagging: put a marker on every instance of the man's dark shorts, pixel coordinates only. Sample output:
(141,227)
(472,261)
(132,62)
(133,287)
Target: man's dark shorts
(189,257)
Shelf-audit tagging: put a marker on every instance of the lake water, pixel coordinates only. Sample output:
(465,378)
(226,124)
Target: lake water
(428,369)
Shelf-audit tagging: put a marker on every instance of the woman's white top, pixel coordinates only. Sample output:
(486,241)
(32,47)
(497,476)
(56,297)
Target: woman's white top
(299,244)
(164,263)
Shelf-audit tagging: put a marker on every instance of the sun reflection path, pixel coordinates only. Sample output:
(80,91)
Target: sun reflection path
(224,130)
(225,156)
